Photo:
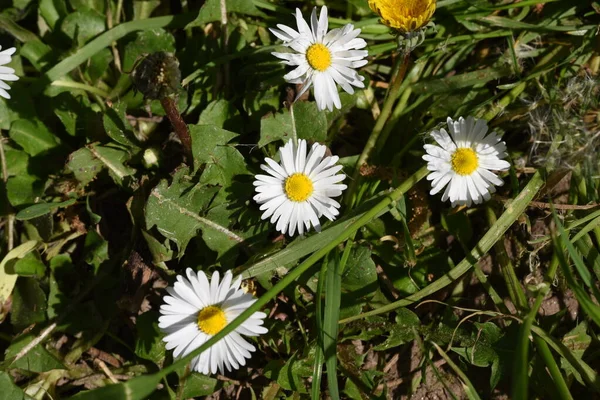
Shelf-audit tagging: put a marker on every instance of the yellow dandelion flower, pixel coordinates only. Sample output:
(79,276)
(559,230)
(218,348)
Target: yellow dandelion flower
(404,15)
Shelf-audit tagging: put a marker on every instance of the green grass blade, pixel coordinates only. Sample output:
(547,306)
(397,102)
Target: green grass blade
(589,375)
(105,40)
(330,324)
(467,385)
(562,390)
(345,227)
(315,391)
(495,233)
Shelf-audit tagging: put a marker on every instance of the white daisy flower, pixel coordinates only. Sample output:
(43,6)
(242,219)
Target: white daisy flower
(464,160)
(322,59)
(299,190)
(6,73)
(196,310)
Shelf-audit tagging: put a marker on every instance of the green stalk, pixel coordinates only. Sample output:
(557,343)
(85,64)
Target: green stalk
(559,382)
(520,384)
(515,291)
(495,233)
(386,110)
(315,391)
(82,86)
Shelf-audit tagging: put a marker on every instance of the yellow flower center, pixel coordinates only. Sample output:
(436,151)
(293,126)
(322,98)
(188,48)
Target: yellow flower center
(298,187)
(404,15)
(318,57)
(464,161)
(211,320)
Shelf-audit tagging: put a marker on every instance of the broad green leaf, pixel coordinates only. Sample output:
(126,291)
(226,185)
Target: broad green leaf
(28,303)
(77,116)
(307,123)
(175,209)
(292,374)
(99,65)
(136,389)
(95,249)
(146,42)
(32,136)
(143,9)
(114,160)
(118,127)
(61,272)
(10,390)
(221,212)
(161,252)
(222,160)
(222,114)
(360,274)
(459,225)
(30,265)
(84,165)
(39,209)
(148,343)
(83,25)
(577,341)
(7,275)
(276,127)
(211,11)
(311,124)
(97,5)
(16,160)
(200,385)
(24,189)
(403,331)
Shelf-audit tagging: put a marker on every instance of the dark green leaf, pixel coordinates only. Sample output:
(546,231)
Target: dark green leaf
(118,127)
(9,390)
(175,209)
(24,189)
(28,304)
(407,323)
(95,249)
(40,209)
(200,385)
(32,136)
(147,42)
(211,11)
(30,265)
(83,25)
(149,344)
(223,161)
(84,165)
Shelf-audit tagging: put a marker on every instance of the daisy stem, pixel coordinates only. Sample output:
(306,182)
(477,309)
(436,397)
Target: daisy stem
(386,111)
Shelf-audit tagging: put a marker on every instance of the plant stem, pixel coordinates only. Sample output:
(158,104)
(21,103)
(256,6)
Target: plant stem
(386,110)
(82,86)
(495,233)
(180,127)
(515,291)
